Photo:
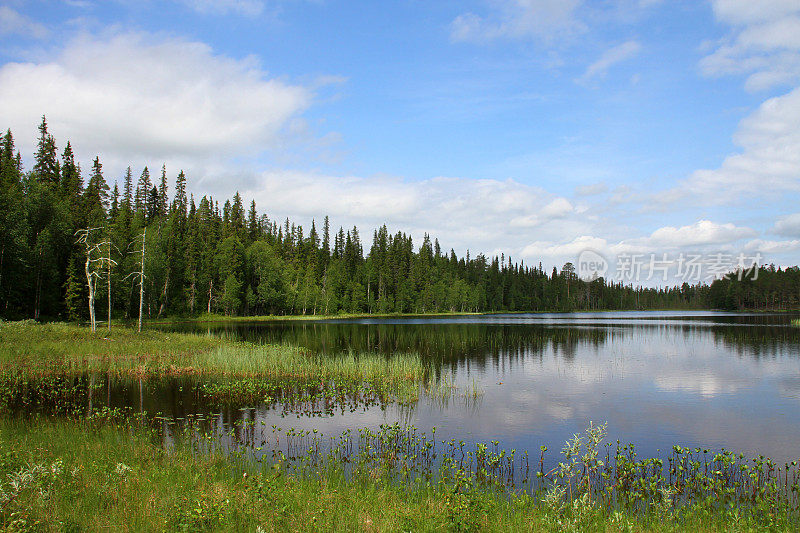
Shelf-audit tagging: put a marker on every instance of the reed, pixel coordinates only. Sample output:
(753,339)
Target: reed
(49,349)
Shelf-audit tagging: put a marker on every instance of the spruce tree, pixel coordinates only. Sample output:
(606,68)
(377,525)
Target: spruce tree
(163,200)
(72,183)
(95,197)
(46,166)
(143,188)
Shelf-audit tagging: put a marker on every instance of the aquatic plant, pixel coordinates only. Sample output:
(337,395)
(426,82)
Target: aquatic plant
(393,477)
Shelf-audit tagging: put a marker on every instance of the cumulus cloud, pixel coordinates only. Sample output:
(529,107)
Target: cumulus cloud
(610,57)
(772,247)
(702,232)
(698,237)
(567,251)
(135,95)
(768,163)
(15,23)
(788,226)
(558,208)
(515,19)
(462,213)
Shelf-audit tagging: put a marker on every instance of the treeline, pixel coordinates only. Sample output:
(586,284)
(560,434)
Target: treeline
(200,257)
(767,289)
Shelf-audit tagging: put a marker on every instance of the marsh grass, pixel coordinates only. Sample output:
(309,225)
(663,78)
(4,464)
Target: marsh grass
(55,367)
(108,474)
(48,349)
(41,349)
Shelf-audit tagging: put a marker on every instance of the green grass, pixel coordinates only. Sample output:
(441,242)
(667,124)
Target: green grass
(109,472)
(76,476)
(230,371)
(42,349)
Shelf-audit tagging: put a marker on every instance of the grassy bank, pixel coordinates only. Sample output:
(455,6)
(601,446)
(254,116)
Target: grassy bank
(37,349)
(99,469)
(30,351)
(75,476)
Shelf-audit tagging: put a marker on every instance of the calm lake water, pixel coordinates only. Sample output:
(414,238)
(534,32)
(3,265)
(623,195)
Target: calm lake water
(708,379)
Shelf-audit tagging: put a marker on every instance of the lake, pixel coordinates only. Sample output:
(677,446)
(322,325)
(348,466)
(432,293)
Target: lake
(698,379)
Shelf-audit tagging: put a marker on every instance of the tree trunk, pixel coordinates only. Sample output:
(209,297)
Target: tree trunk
(193,290)
(37,299)
(210,293)
(108,259)
(91,284)
(141,280)
(2,255)
(164,295)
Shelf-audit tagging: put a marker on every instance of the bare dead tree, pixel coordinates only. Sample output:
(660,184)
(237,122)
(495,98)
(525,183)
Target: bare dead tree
(141,276)
(93,265)
(110,263)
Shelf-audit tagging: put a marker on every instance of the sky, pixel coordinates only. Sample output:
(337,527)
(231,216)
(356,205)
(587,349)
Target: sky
(540,129)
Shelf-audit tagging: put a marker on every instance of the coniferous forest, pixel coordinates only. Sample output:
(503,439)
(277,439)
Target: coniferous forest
(66,233)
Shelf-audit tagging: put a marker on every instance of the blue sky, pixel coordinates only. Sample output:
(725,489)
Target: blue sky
(539,128)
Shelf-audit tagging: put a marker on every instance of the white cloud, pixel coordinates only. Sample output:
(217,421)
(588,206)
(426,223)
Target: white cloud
(611,57)
(462,213)
(515,19)
(241,7)
(702,232)
(788,225)
(753,11)
(591,189)
(764,43)
(772,247)
(12,22)
(566,251)
(139,96)
(768,163)
(558,208)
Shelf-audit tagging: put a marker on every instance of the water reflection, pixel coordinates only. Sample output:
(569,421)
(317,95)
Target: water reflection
(704,379)
(659,378)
